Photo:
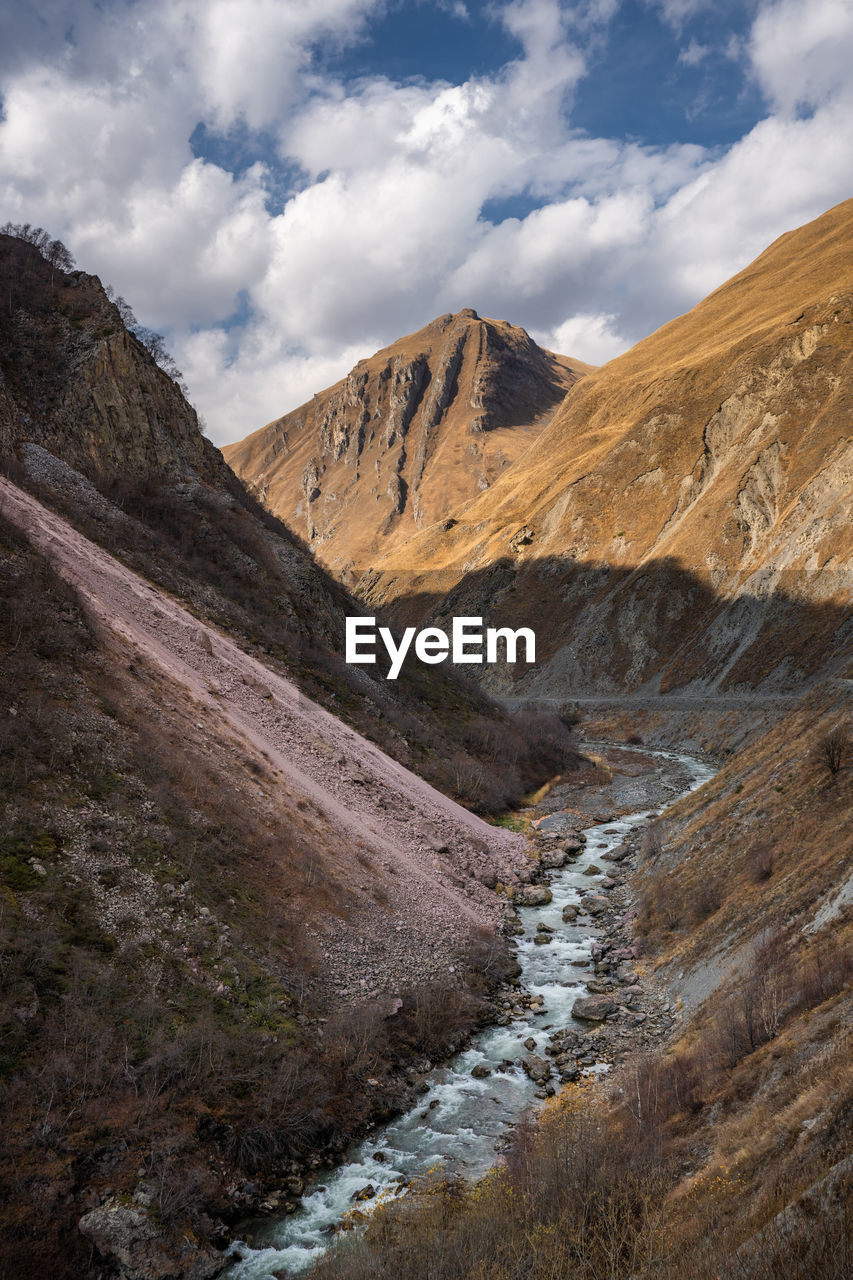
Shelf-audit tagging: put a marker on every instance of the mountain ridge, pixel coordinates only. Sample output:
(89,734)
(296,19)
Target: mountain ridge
(719,444)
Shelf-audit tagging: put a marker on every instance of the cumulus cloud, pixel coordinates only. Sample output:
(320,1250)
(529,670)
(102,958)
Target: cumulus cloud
(802,57)
(588,337)
(372,205)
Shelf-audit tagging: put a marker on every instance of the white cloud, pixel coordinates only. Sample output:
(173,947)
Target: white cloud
(677,12)
(694,53)
(802,56)
(387,229)
(585,336)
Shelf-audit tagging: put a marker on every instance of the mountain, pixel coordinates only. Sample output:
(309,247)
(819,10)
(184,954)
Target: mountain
(235,911)
(91,422)
(410,433)
(683,523)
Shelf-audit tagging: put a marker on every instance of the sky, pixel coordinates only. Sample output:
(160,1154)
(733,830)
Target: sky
(282,187)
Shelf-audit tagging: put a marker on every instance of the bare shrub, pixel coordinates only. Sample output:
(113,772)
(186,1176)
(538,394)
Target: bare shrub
(707,900)
(833,748)
(661,906)
(652,843)
(760,862)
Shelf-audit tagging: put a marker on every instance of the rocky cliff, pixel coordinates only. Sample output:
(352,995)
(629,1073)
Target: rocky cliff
(409,434)
(74,379)
(684,520)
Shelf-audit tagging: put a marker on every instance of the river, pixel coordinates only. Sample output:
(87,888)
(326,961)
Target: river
(461,1121)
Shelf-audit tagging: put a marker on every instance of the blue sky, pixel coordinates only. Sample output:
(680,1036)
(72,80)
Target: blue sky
(284,186)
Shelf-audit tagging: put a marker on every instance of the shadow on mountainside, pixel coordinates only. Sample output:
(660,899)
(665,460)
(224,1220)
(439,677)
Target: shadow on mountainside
(608,629)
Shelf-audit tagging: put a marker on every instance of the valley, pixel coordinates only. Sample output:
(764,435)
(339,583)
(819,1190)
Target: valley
(277,929)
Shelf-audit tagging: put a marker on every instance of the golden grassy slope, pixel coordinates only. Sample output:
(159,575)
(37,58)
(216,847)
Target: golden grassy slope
(720,445)
(649,454)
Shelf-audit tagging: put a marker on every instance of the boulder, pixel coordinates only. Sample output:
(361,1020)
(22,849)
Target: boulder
(593,1008)
(481,1071)
(536,1068)
(534,895)
(570,912)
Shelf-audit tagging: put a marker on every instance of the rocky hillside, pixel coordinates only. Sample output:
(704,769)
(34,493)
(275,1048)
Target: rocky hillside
(218,911)
(90,422)
(407,436)
(230,924)
(683,522)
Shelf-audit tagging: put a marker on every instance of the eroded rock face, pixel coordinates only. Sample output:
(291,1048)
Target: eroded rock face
(406,436)
(127,1238)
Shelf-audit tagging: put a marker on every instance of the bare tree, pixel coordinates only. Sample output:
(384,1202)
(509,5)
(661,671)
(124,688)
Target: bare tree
(53,251)
(833,748)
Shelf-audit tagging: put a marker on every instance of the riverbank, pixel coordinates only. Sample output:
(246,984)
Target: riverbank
(569,940)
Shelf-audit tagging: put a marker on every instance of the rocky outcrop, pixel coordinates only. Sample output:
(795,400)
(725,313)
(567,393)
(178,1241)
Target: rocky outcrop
(534,895)
(75,380)
(418,428)
(140,1248)
(594,1008)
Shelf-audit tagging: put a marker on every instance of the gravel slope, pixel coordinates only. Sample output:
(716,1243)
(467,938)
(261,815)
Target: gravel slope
(380,826)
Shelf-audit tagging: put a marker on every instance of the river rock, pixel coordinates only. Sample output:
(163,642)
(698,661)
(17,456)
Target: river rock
(542,939)
(366,1193)
(530,1044)
(593,1009)
(553,858)
(534,895)
(570,912)
(592,870)
(595,905)
(481,1071)
(141,1249)
(536,1068)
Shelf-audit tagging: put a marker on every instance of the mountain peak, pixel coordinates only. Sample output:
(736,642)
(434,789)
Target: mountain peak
(411,432)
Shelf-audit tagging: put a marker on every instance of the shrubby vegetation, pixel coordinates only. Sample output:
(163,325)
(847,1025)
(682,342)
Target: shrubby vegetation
(603,1186)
